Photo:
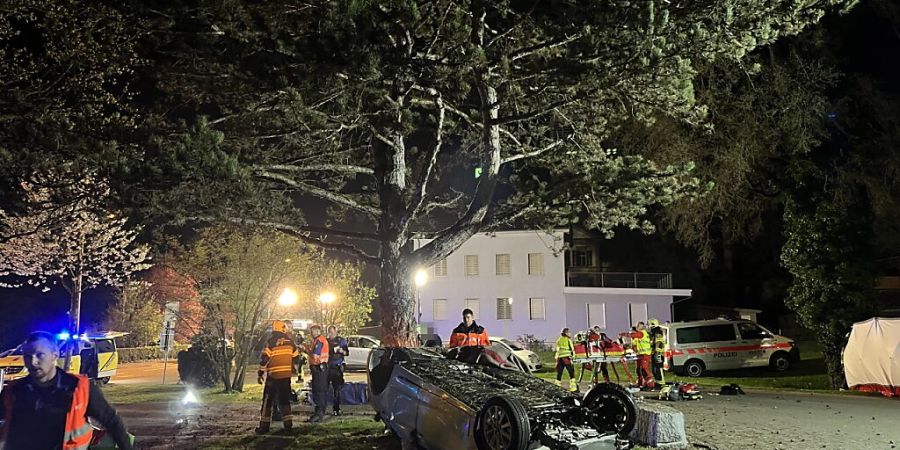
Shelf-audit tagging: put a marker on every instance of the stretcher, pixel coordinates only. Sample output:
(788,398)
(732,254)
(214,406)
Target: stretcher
(590,355)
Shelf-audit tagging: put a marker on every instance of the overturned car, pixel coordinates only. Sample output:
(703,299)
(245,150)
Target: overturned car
(480,398)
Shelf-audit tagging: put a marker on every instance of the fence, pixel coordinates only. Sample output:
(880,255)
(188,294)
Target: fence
(619,279)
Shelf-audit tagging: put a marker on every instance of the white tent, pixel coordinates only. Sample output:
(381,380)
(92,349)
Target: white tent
(872,356)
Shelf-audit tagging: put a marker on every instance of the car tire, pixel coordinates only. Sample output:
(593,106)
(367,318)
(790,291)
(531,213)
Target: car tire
(694,368)
(502,424)
(610,408)
(780,362)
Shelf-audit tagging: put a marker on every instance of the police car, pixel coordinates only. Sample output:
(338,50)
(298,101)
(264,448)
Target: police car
(692,348)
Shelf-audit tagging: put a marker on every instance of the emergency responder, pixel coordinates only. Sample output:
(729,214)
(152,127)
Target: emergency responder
(339,350)
(277,362)
(469,333)
(640,341)
(565,351)
(318,351)
(48,409)
(658,350)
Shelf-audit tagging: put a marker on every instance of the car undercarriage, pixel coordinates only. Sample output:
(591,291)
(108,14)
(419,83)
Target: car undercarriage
(491,402)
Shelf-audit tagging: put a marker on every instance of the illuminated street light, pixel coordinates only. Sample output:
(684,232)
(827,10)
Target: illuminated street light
(288,297)
(327,297)
(421,277)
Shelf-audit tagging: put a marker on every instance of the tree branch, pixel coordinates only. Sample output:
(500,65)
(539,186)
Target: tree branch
(535,152)
(333,197)
(294,231)
(532,114)
(344,168)
(438,141)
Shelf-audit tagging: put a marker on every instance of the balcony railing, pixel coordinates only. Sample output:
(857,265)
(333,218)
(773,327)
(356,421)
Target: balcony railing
(580,278)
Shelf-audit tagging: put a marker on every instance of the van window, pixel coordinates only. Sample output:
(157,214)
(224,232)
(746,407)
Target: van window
(708,333)
(105,346)
(752,331)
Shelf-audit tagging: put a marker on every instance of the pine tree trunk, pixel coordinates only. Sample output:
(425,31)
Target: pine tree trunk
(397,301)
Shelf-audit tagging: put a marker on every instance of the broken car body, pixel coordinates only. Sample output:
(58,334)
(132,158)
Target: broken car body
(477,398)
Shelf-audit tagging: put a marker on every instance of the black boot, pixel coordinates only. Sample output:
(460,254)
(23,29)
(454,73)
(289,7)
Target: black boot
(263,428)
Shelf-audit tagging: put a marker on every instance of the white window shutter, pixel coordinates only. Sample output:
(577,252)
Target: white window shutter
(471,265)
(535,264)
(475,305)
(440,309)
(537,310)
(503,264)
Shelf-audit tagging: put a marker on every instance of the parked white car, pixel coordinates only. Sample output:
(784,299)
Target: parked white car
(360,346)
(531,358)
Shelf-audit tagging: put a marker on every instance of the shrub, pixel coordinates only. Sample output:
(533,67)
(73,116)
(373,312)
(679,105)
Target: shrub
(135,354)
(532,343)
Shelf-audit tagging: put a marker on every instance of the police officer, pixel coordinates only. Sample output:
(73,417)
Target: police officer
(318,351)
(277,362)
(339,350)
(49,408)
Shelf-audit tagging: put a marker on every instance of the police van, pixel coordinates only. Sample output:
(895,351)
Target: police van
(692,348)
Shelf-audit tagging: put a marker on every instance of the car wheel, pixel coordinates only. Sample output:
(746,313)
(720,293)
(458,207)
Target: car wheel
(694,368)
(780,362)
(611,409)
(502,424)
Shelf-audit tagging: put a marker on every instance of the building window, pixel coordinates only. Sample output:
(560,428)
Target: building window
(637,313)
(471,265)
(582,257)
(536,308)
(475,306)
(503,263)
(504,308)
(596,315)
(535,264)
(440,309)
(440,269)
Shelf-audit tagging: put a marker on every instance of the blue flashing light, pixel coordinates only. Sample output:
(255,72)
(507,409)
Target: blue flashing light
(64,336)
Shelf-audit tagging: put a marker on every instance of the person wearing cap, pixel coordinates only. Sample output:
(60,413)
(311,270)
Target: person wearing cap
(49,408)
(318,351)
(277,365)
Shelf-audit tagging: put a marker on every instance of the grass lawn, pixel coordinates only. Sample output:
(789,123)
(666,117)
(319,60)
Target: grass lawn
(807,375)
(130,393)
(345,434)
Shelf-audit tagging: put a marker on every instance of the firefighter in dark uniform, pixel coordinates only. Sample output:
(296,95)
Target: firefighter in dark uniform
(318,351)
(658,341)
(278,363)
(339,350)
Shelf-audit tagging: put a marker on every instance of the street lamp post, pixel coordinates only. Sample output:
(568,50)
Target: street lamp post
(421,278)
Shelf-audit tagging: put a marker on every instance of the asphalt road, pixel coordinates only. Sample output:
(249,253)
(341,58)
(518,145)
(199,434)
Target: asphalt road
(790,420)
(151,372)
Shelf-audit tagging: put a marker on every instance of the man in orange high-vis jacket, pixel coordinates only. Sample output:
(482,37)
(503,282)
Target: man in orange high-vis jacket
(278,362)
(468,333)
(48,409)
(318,351)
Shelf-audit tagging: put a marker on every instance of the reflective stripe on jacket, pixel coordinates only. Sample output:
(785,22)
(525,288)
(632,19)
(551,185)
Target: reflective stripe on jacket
(464,336)
(564,347)
(78,432)
(641,343)
(318,354)
(280,357)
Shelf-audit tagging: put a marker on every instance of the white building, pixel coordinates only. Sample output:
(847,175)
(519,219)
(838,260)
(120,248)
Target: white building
(516,283)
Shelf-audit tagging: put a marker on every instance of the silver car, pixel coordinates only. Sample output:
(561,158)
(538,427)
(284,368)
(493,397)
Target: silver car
(481,398)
